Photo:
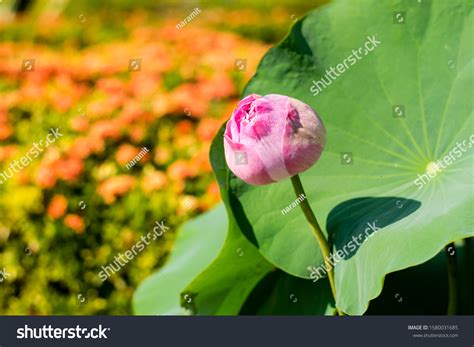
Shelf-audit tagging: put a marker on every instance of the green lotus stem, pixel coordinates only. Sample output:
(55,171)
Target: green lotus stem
(452,278)
(320,237)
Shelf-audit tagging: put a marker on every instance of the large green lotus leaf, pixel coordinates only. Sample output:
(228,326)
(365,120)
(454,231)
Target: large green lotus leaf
(224,286)
(199,241)
(282,294)
(423,289)
(398,109)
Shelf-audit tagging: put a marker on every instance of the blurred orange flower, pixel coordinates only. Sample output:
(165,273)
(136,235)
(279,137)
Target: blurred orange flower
(82,147)
(185,98)
(105,129)
(69,169)
(61,101)
(111,85)
(213,191)
(7,152)
(23,177)
(116,186)
(162,156)
(201,160)
(162,104)
(75,222)
(79,124)
(187,203)
(45,178)
(5,131)
(184,127)
(57,207)
(180,170)
(154,180)
(3,116)
(220,86)
(125,153)
(208,128)
(137,133)
(132,112)
(103,107)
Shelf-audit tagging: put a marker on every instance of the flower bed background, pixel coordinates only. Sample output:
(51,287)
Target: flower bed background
(113,80)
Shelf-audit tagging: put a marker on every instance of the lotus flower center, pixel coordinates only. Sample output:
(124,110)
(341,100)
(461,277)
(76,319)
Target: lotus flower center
(432,168)
(250,116)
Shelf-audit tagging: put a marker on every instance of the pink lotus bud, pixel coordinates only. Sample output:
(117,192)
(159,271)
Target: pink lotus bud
(273,137)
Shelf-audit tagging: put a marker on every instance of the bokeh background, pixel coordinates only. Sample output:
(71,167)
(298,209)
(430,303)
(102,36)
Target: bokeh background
(114,76)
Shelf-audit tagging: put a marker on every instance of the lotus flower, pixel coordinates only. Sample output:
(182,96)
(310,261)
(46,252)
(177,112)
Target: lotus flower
(272,137)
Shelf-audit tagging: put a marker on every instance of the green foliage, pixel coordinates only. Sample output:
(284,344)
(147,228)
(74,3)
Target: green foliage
(198,242)
(390,117)
(387,152)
